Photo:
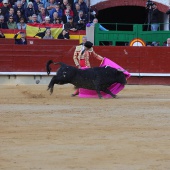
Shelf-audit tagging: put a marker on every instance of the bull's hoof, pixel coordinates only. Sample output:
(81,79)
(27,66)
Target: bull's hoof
(115,97)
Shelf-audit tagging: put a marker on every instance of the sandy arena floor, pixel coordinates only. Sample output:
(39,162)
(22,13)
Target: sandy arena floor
(39,131)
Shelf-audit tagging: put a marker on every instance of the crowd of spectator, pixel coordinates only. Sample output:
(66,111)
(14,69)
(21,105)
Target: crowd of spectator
(16,14)
(73,14)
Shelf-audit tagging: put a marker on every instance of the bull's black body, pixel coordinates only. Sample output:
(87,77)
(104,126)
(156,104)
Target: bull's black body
(97,78)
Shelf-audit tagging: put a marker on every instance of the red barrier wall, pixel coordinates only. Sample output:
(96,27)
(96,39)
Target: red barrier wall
(32,58)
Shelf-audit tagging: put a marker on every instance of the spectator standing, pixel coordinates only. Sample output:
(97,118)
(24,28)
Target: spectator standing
(22,40)
(168,13)
(21,25)
(3,24)
(71,25)
(48,34)
(155,18)
(1,34)
(11,23)
(64,35)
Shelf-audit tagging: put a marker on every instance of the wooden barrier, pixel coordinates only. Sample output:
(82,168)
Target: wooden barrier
(148,65)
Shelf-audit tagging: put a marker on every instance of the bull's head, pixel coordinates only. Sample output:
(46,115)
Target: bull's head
(65,74)
(120,77)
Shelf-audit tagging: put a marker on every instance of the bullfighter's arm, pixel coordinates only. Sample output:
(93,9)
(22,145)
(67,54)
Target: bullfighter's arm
(96,55)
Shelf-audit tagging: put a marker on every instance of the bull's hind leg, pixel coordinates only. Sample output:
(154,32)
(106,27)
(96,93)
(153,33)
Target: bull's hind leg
(99,94)
(51,85)
(109,92)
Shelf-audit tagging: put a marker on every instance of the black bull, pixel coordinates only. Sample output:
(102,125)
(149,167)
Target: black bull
(97,78)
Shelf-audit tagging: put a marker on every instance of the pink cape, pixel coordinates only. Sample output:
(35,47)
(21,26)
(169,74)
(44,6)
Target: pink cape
(114,88)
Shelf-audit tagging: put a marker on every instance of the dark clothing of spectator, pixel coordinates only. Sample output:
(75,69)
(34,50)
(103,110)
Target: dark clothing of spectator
(60,13)
(18,18)
(69,26)
(168,12)
(5,10)
(83,7)
(3,25)
(155,16)
(56,20)
(36,7)
(75,12)
(29,12)
(66,36)
(59,2)
(2,35)
(7,17)
(81,22)
(31,21)
(24,5)
(63,7)
(65,19)
(22,10)
(19,41)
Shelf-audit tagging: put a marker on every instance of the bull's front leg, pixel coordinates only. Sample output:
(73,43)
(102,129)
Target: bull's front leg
(97,89)
(107,91)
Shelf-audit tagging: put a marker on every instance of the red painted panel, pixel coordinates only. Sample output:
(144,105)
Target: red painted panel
(134,59)
(7,41)
(155,80)
(52,42)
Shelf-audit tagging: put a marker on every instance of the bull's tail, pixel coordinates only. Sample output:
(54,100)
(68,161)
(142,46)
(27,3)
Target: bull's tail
(48,68)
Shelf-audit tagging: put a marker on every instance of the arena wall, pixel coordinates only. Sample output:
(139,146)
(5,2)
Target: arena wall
(148,65)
